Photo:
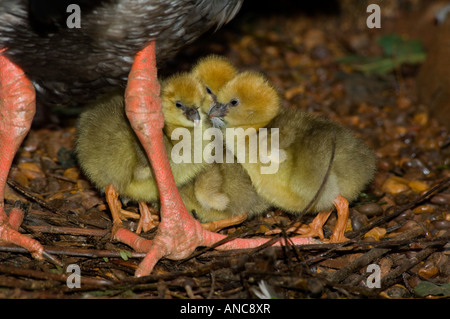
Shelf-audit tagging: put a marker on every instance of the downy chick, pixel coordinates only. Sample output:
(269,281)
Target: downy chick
(214,71)
(205,196)
(111,156)
(223,190)
(305,148)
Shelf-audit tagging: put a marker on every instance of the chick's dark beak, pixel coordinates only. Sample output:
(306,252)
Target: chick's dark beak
(192,114)
(218,110)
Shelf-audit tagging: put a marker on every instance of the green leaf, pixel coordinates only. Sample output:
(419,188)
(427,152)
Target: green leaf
(426,288)
(397,50)
(58,270)
(413,58)
(379,66)
(389,43)
(395,45)
(125,254)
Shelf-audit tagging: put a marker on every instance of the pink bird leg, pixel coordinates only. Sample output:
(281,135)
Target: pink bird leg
(17,108)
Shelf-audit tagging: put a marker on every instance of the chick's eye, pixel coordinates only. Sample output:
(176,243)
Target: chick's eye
(178,104)
(208,90)
(234,102)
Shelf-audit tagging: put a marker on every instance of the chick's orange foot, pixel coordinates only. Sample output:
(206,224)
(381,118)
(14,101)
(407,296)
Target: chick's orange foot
(146,221)
(217,225)
(341,204)
(315,228)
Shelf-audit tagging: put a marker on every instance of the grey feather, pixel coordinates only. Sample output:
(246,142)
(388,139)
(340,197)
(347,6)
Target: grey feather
(72,66)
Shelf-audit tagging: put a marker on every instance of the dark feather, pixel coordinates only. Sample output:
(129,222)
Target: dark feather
(73,66)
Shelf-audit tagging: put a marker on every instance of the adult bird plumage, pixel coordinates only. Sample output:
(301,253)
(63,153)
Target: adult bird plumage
(118,43)
(70,66)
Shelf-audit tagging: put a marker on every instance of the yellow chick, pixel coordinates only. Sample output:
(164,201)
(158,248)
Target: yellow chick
(214,71)
(223,191)
(301,158)
(111,156)
(222,195)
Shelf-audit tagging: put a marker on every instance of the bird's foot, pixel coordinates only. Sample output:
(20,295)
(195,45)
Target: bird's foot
(338,237)
(315,228)
(341,204)
(217,225)
(176,239)
(139,244)
(311,231)
(297,228)
(17,109)
(146,220)
(9,233)
(115,207)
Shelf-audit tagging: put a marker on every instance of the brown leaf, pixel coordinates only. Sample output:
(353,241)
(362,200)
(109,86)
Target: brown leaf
(31,170)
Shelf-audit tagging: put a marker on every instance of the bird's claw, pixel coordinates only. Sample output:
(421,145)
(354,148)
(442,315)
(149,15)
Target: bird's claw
(9,233)
(172,243)
(169,242)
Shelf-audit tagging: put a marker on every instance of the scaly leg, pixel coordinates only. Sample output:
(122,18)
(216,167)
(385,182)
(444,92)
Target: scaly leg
(118,214)
(17,108)
(178,234)
(146,221)
(341,204)
(315,228)
(115,206)
(143,245)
